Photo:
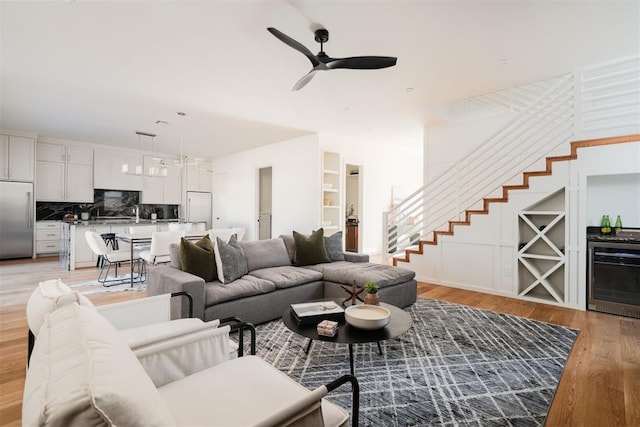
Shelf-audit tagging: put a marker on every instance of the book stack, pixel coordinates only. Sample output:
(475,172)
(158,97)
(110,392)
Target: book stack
(327,328)
(314,312)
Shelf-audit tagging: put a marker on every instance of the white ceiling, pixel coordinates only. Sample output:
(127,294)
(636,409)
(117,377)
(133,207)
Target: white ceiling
(97,71)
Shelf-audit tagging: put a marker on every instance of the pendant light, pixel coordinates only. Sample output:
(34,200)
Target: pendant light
(138,168)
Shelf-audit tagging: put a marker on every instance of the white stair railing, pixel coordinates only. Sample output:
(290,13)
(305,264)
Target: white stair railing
(541,127)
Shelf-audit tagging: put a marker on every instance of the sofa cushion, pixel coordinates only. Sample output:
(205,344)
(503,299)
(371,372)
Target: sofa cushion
(82,372)
(265,253)
(230,259)
(333,244)
(216,292)
(363,272)
(310,250)
(290,244)
(287,276)
(198,258)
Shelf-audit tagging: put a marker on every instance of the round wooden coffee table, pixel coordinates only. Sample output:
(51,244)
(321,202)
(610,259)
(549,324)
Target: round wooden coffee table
(399,323)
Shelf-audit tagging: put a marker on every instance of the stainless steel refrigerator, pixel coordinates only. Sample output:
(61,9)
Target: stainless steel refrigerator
(16,220)
(199,207)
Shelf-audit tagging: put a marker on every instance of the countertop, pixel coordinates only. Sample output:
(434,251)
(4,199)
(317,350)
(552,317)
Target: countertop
(122,221)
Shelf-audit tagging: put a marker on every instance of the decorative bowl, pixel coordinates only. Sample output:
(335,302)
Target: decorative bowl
(367,316)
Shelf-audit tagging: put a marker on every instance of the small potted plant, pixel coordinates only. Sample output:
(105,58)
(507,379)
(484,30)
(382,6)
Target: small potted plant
(371,297)
(84,211)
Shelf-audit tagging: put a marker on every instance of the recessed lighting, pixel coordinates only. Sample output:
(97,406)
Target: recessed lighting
(410,89)
(161,122)
(505,61)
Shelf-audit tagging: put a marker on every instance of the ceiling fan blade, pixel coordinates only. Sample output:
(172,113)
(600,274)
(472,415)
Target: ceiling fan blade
(304,80)
(294,44)
(362,62)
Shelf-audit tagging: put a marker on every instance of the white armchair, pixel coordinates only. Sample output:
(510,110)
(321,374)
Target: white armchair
(172,348)
(84,371)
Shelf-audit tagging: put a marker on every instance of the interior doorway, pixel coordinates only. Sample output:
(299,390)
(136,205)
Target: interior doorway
(264,203)
(353,212)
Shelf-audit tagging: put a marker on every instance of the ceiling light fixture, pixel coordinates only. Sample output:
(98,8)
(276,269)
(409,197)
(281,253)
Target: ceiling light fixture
(158,169)
(184,161)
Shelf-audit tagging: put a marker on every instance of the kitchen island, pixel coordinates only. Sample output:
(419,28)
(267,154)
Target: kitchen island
(74,249)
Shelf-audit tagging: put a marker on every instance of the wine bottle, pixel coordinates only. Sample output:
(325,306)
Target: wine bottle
(605,225)
(618,225)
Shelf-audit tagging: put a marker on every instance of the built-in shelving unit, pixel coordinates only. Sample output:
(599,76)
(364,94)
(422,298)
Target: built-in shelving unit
(332,218)
(541,254)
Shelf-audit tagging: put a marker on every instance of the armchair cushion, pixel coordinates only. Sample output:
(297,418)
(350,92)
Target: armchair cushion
(248,384)
(83,373)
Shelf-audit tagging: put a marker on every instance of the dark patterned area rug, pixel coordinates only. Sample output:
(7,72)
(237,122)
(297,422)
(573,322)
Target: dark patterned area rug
(456,366)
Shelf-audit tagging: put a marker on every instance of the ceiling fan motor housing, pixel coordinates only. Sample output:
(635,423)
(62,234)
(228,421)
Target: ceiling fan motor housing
(322,35)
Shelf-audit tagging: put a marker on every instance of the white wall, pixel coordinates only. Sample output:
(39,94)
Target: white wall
(383,167)
(296,186)
(624,200)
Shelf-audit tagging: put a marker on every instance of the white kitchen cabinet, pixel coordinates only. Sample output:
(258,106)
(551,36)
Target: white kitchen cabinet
(48,237)
(162,189)
(50,181)
(199,176)
(17,158)
(64,173)
(107,171)
(82,255)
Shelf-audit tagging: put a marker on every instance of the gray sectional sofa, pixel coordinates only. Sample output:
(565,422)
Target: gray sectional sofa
(273,283)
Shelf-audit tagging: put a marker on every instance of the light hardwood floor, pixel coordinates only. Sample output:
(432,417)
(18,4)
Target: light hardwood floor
(600,385)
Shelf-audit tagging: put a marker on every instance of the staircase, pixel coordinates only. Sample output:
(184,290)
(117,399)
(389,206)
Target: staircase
(547,116)
(487,201)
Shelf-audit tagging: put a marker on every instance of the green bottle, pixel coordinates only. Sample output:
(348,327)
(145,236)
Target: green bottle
(605,225)
(618,225)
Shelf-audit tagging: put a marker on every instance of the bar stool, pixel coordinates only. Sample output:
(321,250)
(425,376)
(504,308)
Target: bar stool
(109,240)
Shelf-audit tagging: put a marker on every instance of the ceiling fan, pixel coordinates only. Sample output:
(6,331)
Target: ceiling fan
(323,62)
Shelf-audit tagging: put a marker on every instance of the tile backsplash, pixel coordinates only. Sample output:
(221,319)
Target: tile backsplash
(106,203)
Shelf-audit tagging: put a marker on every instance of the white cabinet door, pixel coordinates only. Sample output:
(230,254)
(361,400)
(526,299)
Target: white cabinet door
(50,182)
(84,256)
(80,155)
(17,158)
(79,183)
(173,185)
(4,156)
(152,190)
(107,171)
(49,152)
(102,169)
(199,177)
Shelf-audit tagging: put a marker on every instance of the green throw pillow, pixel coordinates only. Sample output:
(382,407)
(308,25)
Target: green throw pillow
(310,250)
(198,258)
